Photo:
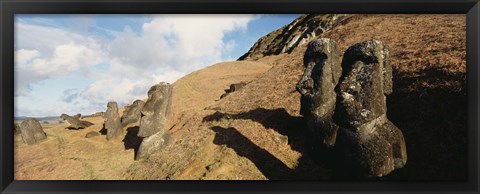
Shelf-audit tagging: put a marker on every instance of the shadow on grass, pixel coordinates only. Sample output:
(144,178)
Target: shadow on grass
(131,140)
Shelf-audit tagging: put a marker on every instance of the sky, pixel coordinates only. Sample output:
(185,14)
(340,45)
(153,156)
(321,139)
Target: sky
(77,63)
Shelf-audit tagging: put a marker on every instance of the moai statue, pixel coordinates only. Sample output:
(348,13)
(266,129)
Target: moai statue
(132,113)
(112,121)
(154,117)
(74,122)
(318,98)
(369,143)
(32,132)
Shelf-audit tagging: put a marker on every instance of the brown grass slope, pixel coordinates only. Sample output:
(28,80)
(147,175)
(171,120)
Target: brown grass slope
(244,135)
(238,136)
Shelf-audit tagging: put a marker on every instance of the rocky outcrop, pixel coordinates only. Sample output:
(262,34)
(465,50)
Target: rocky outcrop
(233,88)
(370,143)
(112,121)
(132,113)
(75,123)
(302,30)
(154,116)
(32,131)
(317,87)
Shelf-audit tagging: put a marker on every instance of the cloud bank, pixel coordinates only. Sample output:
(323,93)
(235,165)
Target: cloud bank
(123,67)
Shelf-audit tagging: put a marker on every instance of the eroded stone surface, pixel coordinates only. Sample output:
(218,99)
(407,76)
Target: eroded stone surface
(370,143)
(156,109)
(32,131)
(75,123)
(132,113)
(112,121)
(321,75)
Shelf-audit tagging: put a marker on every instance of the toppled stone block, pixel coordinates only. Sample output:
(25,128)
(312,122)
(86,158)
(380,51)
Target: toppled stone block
(75,123)
(233,88)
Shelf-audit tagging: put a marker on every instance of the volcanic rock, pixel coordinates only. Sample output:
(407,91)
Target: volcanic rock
(317,87)
(75,123)
(132,113)
(32,131)
(112,121)
(370,143)
(91,134)
(233,88)
(156,109)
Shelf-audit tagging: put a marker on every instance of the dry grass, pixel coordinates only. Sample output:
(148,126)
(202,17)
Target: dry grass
(236,138)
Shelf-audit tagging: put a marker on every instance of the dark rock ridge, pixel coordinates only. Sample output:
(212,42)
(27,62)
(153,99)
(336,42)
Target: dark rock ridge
(112,121)
(75,123)
(345,107)
(302,30)
(32,131)
(233,88)
(371,144)
(132,113)
(154,116)
(317,87)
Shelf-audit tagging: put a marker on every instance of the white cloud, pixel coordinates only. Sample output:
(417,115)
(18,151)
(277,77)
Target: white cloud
(167,48)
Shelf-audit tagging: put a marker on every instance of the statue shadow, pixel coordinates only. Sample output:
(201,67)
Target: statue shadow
(271,167)
(103,131)
(131,140)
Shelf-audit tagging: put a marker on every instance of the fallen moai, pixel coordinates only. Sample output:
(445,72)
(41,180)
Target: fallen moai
(75,123)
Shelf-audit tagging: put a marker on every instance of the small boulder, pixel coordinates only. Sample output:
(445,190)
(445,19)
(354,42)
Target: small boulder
(32,131)
(92,134)
(132,113)
(112,121)
(233,88)
(77,116)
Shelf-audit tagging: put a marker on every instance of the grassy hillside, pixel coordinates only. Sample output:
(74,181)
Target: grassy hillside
(257,132)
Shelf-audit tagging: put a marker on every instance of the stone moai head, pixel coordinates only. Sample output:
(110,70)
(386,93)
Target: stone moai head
(112,106)
(366,79)
(321,75)
(156,109)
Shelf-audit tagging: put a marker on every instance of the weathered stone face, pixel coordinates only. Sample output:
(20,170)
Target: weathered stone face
(367,77)
(132,113)
(32,131)
(77,116)
(156,109)
(322,72)
(112,121)
(368,141)
(75,123)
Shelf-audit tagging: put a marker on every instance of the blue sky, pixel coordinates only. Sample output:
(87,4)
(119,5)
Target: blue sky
(77,63)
